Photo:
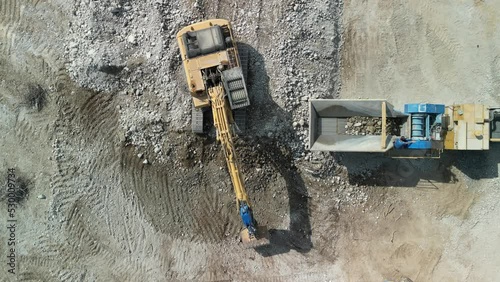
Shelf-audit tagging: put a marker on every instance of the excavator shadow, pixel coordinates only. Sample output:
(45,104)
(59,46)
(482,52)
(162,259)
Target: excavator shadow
(283,241)
(270,126)
(298,235)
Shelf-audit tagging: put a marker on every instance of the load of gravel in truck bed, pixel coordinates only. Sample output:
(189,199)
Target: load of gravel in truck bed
(359,125)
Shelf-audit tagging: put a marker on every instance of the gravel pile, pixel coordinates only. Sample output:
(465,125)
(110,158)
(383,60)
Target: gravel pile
(128,48)
(358,125)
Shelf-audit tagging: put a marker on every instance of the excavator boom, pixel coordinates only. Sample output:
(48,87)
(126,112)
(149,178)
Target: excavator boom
(222,117)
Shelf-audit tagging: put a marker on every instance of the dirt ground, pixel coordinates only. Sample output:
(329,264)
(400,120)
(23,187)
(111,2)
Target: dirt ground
(442,227)
(115,96)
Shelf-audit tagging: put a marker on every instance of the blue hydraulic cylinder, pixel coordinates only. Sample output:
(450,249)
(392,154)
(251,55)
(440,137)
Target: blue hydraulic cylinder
(420,144)
(247,218)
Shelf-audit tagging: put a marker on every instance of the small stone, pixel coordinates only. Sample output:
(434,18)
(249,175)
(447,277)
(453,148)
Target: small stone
(295,124)
(157,150)
(140,155)
(41,196)
(114,10)
(302,122)
(145,161)
(357,124)
(132,39)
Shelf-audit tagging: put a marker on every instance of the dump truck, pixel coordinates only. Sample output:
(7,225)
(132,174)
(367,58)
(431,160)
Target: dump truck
(425,130)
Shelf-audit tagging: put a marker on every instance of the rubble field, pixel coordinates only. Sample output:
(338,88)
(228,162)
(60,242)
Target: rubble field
(358,125)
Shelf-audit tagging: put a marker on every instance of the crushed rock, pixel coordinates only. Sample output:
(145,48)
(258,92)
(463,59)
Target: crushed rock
(359,125)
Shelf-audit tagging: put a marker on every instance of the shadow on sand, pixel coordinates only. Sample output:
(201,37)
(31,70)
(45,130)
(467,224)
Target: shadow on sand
(378,170)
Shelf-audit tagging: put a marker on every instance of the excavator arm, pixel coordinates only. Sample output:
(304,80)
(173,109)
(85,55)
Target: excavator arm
(222,117)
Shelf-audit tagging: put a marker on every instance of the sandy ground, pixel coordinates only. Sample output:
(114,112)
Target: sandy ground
(438,52)
(109,217)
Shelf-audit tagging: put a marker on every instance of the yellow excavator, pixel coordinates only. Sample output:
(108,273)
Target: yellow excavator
(216,81)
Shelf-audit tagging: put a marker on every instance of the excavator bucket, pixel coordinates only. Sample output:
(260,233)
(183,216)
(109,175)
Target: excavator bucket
(260,238)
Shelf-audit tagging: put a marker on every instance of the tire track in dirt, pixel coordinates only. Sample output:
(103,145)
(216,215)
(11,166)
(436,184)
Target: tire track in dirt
(67,198)
(216,218)
(91,243)
(149,185)
(312,276)
(132,237)
(428,11)
(127,219)
(119,214)
(107,203)
(445,48)
(210,215)
(89,246)
(65,173)
(94,119)
(10,11)
(173,203)
(166,200)
(21,38)
(25,127)
(61,182)
(99,118)
(33,268)
(40,51)
(185,208)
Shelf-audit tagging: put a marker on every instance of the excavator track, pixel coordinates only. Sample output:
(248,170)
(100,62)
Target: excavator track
(196,120)
(240,119)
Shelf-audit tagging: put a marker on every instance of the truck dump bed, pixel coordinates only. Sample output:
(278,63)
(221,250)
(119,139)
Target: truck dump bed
(328,119)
